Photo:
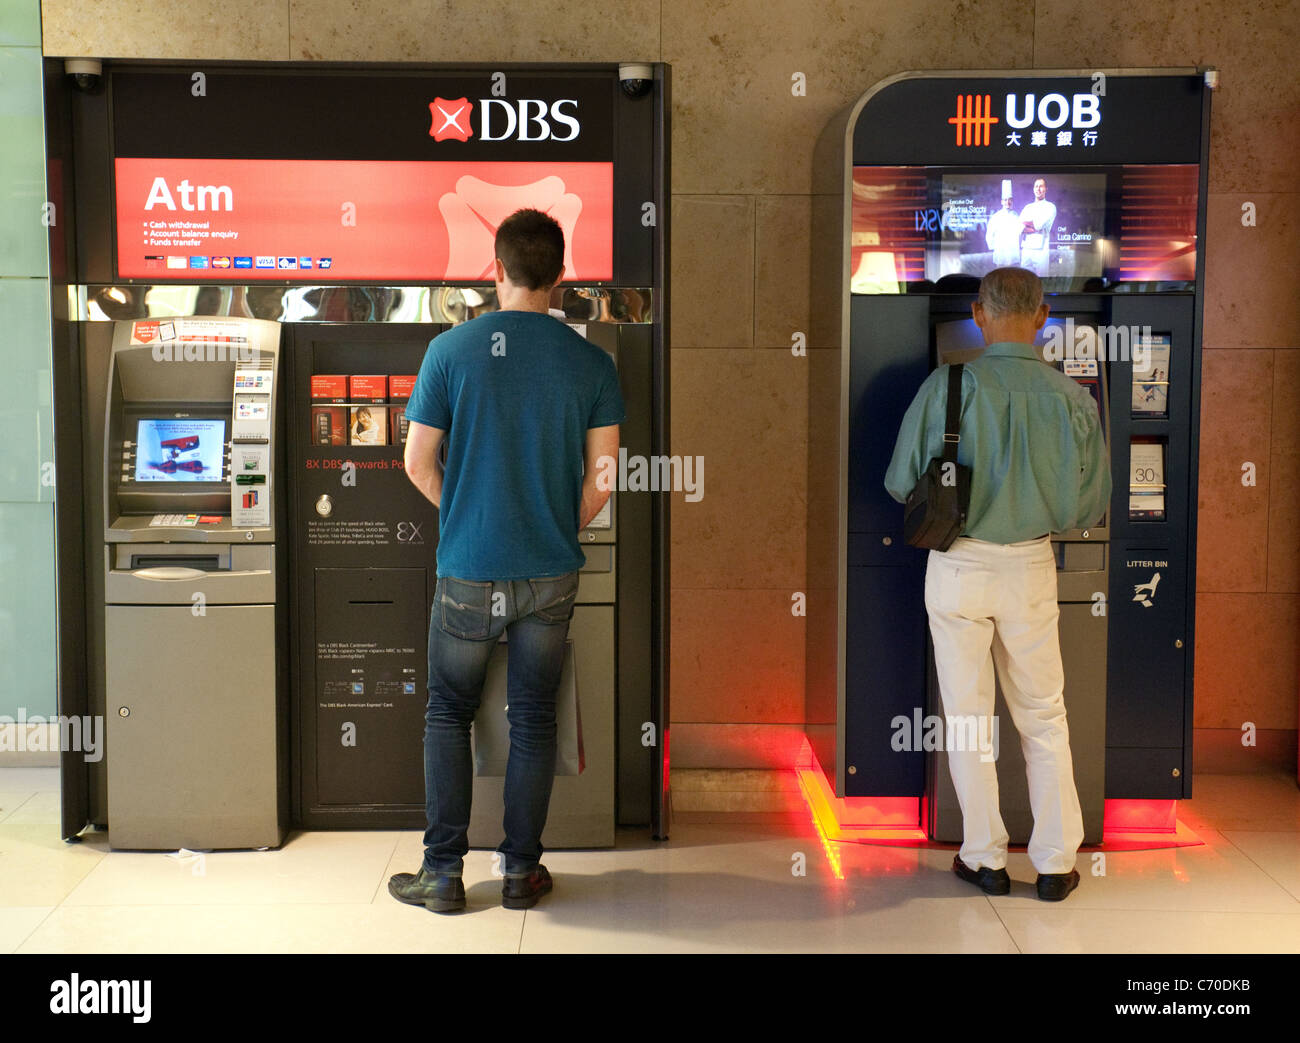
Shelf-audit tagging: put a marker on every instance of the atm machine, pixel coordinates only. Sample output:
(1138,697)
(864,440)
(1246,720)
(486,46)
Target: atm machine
(337,250)
(194,606)
(1096,180)
(364,551)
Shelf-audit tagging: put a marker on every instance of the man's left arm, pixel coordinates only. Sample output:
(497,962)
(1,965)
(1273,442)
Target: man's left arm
(421,460)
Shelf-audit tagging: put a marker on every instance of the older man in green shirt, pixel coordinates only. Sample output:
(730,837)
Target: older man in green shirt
(1032,438)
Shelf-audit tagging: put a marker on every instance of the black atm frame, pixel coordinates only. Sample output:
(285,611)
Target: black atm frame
(87,130)
(878,670)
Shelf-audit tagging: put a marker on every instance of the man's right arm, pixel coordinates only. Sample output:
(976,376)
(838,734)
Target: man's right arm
(1094,479)
(420,458)
(600,471)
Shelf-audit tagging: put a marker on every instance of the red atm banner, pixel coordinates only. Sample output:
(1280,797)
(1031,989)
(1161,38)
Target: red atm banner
(341,220)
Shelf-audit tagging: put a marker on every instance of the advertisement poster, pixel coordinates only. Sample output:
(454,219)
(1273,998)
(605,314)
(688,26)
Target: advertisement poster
(337,220)
(1151,380)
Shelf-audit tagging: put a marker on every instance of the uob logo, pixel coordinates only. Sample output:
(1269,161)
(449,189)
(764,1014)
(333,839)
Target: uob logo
(974,117)
(528,119)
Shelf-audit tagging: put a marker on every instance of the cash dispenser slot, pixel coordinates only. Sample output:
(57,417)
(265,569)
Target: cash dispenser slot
(201,562)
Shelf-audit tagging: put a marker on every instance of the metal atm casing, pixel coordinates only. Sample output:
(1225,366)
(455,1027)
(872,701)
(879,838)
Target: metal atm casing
(193,609)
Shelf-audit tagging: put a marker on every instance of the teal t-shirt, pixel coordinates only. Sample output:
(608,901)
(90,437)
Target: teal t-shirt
(516,392)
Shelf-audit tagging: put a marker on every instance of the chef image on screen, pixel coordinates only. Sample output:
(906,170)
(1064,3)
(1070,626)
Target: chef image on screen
(1003,232)
(1037,219)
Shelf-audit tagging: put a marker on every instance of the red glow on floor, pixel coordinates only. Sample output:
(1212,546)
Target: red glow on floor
(1140,816)
(1126,824)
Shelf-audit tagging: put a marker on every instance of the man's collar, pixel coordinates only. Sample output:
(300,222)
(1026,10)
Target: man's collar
(1015,350)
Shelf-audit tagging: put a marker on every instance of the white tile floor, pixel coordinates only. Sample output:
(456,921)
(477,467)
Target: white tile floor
(713,887)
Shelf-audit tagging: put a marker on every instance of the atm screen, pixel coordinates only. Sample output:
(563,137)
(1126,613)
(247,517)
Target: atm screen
(183,450)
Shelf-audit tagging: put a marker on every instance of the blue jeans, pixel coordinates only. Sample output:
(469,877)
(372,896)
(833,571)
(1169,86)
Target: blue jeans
(468,619)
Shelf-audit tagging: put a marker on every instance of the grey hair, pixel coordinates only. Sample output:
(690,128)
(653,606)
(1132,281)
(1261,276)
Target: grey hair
(1010,291)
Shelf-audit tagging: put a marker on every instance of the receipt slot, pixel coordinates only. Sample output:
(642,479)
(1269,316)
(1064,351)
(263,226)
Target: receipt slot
(195,699)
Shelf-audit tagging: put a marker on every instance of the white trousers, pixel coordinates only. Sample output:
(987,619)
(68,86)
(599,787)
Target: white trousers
(996,604)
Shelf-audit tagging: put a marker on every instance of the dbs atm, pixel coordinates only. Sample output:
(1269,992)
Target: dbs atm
(254,567)
(1096,181)
(194,606)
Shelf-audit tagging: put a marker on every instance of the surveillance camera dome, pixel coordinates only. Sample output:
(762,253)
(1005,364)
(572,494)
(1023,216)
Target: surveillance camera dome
(636,78)
(86,73)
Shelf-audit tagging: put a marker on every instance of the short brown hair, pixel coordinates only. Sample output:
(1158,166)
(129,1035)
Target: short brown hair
(531,246)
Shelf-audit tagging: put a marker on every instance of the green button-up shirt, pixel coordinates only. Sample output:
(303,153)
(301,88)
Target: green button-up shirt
(1031,437)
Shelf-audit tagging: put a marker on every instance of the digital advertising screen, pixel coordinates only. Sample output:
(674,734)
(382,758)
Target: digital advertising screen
(339,220)
(1080,230)
(185,450)
(1052,224)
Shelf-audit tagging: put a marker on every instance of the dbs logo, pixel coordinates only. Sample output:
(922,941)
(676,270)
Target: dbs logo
(528,119)
(451,119)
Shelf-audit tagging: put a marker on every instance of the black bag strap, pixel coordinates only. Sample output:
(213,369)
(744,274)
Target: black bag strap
(952,426)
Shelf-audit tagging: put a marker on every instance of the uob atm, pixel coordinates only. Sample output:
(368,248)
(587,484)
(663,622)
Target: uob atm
(250,300)
(1096,181)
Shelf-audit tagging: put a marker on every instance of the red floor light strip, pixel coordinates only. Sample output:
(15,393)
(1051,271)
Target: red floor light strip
(1126,824)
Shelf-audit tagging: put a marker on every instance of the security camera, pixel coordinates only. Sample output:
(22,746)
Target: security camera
(87,72)
(636,78)
(1212,78)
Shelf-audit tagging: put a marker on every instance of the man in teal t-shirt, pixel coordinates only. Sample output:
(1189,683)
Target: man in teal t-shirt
(528,409)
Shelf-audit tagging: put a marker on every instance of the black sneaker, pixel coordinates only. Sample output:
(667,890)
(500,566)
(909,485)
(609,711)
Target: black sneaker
(522,892)
(990,881)
(436,892)
(1053,887)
